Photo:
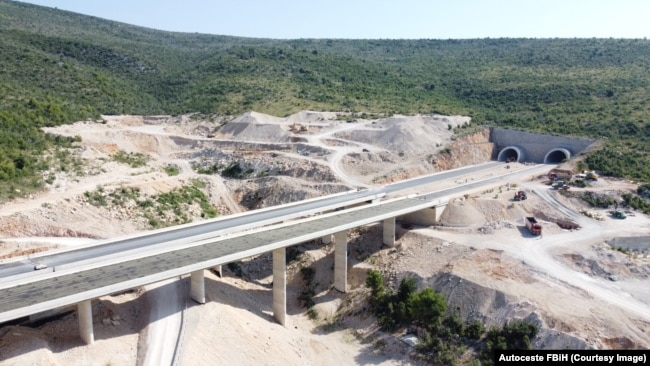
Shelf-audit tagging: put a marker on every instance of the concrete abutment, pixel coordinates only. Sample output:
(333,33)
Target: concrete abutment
(425,217)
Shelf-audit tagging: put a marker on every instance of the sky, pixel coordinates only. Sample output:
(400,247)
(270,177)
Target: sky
(378,19)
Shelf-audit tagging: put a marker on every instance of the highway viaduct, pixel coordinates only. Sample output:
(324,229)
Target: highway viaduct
(80,285)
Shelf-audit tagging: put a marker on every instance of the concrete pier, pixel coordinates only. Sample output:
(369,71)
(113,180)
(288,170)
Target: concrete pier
(197,286)
(389,232)
(280,285)
(85,313)
(218,270)
(341,260)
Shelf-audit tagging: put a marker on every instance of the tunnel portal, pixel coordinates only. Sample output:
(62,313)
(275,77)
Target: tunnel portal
(510,153)
(557,156)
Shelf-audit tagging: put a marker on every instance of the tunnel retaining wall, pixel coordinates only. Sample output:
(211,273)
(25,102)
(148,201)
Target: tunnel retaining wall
(535,146)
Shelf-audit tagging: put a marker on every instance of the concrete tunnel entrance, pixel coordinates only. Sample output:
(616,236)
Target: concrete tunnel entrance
(510,153)
(557,156)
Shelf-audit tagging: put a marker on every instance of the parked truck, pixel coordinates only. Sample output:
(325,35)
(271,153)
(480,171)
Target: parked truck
(533,226)
(556,174)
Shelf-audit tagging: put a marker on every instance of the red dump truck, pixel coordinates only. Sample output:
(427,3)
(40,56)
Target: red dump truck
(533,226)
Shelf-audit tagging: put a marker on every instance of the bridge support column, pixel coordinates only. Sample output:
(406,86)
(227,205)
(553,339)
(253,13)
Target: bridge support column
(440,208)
(85,314)
(280,285)
(326,239)
(341,260)
(389,232)
(218,270)
(197,286)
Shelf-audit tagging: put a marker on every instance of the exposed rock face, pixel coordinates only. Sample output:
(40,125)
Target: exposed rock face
(494,307)
(270,191)
(467,150)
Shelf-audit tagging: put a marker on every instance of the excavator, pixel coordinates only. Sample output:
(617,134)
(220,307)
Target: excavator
(520,196)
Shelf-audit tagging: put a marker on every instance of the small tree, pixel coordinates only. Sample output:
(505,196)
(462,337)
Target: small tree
(474,329)
(406,288)
(427,307)
(454,323)
(514,335)
(375,281)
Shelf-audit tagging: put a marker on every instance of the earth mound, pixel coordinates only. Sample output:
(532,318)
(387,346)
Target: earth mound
(461,213)
(409,134)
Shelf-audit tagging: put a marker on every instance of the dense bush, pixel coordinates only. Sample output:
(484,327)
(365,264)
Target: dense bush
(134,160)
(443,336)
(306,296)
(407,306)
(171,170)
(598,200)
(637,202)
(644,190)
(515,335)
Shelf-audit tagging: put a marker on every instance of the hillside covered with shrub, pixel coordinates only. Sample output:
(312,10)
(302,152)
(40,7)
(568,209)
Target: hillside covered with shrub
(59,67)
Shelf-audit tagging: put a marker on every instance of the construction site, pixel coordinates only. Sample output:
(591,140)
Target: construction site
(528,247)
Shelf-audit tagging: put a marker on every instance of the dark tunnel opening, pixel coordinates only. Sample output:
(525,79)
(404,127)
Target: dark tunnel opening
(509,154)
(556,157)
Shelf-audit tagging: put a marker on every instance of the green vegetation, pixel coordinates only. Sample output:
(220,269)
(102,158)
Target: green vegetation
(597,200)
(134,160)
(96,197)
(171,170)
(306,296)
(162,210)
(622,250)
(73,67)
(212,169)
(175,201)
(637,202)
(444,335)
(514,335)
(235,171)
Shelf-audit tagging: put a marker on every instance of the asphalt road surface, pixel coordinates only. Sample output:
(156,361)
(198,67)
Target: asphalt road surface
(48,262)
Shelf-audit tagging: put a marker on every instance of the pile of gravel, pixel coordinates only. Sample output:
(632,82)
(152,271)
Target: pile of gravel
(461,214)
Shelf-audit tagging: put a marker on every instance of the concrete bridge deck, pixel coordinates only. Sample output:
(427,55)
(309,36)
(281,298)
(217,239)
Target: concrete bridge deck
(60,289)
(82,284)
